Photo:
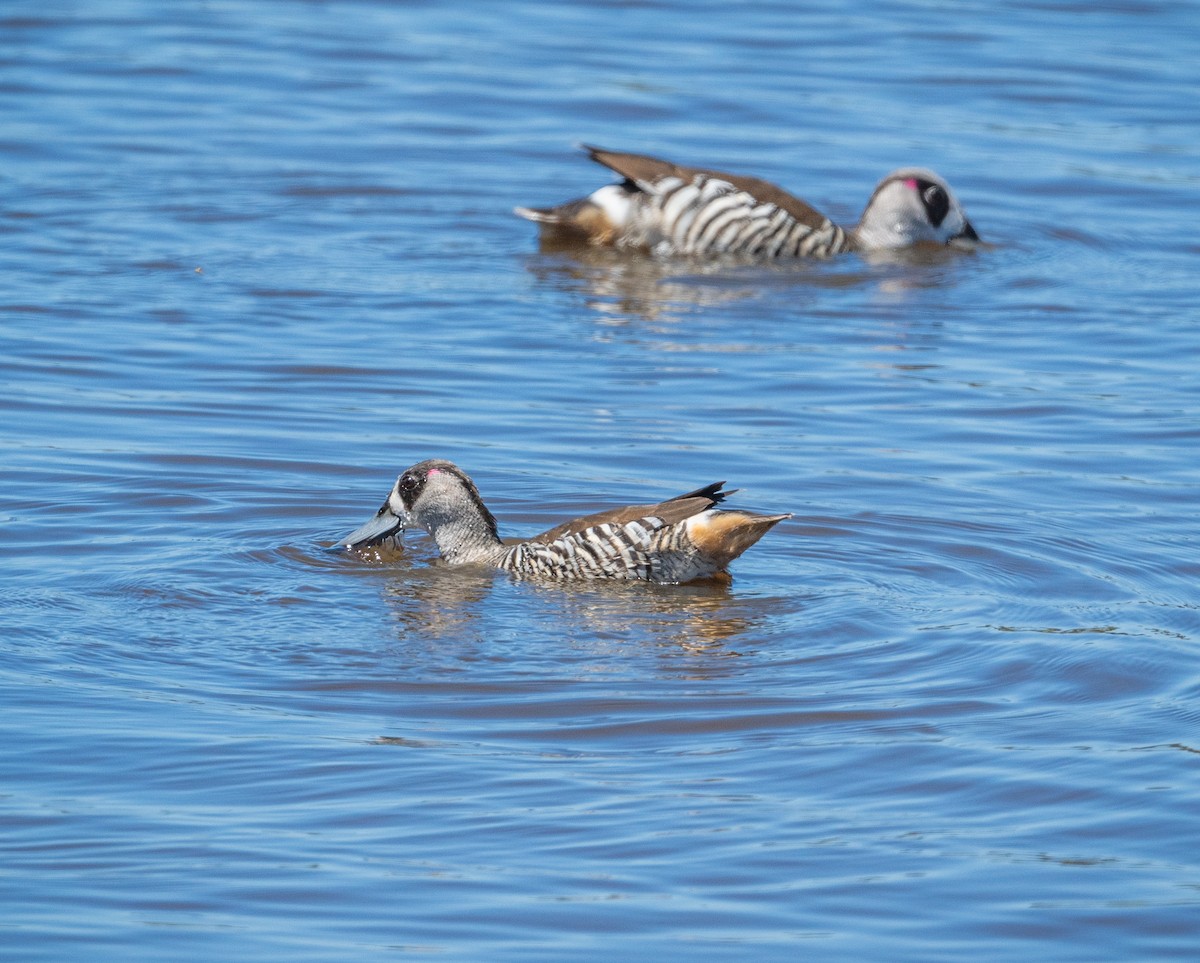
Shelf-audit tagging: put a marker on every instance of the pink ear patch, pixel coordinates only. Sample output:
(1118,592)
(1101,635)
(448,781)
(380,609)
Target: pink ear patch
(911,182)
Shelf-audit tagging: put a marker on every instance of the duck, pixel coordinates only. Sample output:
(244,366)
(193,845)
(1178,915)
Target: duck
(682,539)
(671,210)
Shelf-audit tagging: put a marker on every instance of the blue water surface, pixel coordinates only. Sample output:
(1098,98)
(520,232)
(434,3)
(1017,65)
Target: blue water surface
(258,258)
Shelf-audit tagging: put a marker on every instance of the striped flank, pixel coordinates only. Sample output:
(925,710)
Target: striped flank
(709,216)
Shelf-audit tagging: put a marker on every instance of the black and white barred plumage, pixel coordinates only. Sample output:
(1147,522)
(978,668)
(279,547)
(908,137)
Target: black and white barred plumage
(707,215)
(646,549)
(672,210)
(679,540)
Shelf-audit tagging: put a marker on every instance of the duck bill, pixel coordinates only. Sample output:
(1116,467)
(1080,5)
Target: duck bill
(385,524)
(966,239)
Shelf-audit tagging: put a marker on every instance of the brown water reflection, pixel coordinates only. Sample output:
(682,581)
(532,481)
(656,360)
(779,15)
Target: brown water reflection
(450,604)
(620,283)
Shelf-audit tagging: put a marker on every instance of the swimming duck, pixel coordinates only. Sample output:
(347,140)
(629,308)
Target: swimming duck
(678,540)
(669,209)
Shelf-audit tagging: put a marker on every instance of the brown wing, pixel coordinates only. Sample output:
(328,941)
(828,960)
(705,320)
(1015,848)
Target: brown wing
(671,511)
(644,169)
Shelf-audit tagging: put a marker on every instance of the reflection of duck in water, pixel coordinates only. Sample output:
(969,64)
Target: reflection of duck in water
(678,540)
(669,209)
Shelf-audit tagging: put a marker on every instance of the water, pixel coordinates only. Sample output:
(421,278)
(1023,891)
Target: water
(258,258)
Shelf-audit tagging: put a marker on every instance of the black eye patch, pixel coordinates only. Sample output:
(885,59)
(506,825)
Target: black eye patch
(936,201)
(410,485)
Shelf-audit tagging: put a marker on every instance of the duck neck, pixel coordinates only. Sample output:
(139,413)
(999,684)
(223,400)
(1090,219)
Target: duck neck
(467,540)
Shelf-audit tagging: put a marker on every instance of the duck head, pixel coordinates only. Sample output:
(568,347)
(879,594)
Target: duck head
(911,206)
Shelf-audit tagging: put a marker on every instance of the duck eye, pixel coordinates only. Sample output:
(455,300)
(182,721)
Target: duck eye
(410,484)
(937,203)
